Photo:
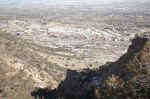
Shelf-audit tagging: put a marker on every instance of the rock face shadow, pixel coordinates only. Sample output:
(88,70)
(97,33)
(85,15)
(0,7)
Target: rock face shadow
(43,94)
(77,85)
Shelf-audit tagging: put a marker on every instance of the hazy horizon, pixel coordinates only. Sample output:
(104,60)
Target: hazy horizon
(63,1)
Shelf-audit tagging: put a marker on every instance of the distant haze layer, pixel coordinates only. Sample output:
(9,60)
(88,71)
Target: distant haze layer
(62,1)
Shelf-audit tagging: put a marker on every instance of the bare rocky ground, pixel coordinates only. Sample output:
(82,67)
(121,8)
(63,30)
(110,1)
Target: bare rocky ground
(39,51)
